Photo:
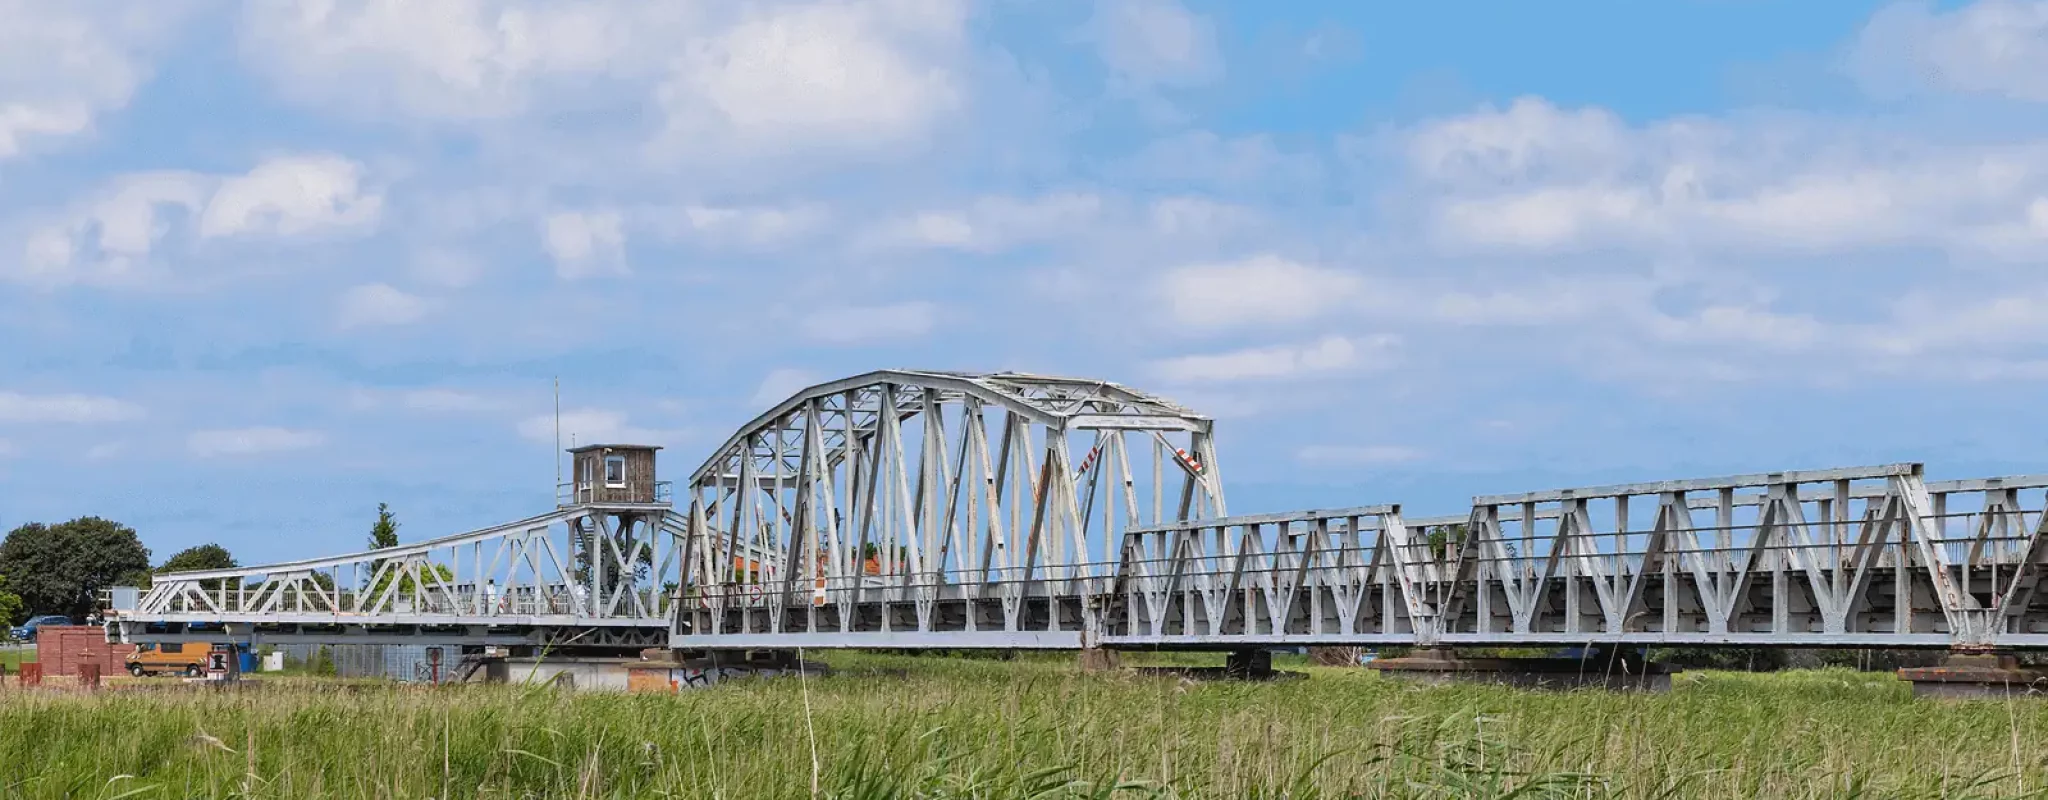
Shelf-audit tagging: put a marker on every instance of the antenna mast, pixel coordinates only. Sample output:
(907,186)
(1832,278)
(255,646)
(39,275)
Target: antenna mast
(558,431)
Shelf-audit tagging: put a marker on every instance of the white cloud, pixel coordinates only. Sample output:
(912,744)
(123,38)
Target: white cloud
(109,240)
(1535,177)
(861,324)
(780,384)
(592,426)
(105,451)
(65,65)
(114,237)
(16,407)
(292,195)
(252,441)
(994,223)
(1357,455)
(1148,42)
(849,77)
(1262,290)
(1995,47)
(743,227)
(1330,355)
(457,60)
(377,305)
(585,243)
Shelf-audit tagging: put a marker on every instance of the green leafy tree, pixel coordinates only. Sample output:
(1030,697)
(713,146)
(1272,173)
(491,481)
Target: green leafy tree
(408,586)
(202,557)
(60,569)
(11,608)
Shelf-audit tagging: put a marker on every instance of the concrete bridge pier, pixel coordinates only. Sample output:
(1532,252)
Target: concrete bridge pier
(1976,674)
(1618,668)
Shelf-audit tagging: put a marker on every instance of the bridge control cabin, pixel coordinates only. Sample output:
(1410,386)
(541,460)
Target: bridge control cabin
(614,473)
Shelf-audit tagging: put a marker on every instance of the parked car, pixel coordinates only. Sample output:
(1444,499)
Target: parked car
(27,631)
(169,657)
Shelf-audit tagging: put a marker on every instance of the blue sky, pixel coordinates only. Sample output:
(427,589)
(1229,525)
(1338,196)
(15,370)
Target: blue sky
(264,265)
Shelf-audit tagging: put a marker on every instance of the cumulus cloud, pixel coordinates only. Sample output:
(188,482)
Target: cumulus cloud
(847,77)
(65,65)
(1152,42)
(251,441)
(378,305)
(1534,177)
(291,195)
(585,243)
(993,223)
(1262,290)
(459,60)
(1991,47)
(115,235)
(20,408)
(863,324)
(1330,355)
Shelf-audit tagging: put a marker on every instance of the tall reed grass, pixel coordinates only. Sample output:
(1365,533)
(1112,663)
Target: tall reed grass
(900,727)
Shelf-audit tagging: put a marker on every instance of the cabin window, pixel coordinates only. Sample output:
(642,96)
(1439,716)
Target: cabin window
(614,471)
(172,647)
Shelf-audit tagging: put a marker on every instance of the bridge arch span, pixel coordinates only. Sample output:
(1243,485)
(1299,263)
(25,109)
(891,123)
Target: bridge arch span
(930,486)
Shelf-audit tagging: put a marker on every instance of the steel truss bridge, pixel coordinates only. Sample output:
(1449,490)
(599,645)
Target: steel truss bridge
(922,509)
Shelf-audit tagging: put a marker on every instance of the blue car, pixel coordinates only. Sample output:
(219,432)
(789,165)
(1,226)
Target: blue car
(27,631)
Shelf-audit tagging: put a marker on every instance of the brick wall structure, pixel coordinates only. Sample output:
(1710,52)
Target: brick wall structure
(59,648)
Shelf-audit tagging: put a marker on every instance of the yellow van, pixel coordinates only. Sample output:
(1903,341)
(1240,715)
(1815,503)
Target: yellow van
(169,657)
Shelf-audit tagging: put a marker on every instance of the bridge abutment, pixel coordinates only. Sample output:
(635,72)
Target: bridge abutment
(1609,668)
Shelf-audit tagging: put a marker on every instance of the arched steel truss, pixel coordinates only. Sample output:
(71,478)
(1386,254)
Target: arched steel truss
(935,506)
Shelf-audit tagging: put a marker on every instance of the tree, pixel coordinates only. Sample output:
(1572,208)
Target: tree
(10,605)
(385,533)
(1445,540)
(60,569)
(202,557)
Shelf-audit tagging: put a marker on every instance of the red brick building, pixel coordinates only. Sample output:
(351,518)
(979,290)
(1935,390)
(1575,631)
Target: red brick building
(60,649)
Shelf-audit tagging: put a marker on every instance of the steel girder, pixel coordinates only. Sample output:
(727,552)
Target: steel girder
(587,574)
(1861,557)
(934,507)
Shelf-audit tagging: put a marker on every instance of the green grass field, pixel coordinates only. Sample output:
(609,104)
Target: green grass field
(901,727)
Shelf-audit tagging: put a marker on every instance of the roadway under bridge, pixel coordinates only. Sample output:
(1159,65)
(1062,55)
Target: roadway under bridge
(922,509)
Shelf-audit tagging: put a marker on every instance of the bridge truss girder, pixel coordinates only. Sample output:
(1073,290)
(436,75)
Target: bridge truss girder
(899,500)
(1866,557)
(580,576)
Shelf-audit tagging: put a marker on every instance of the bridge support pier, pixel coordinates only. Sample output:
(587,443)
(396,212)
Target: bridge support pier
(1610,668)
(1976,674)
(1100,659)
